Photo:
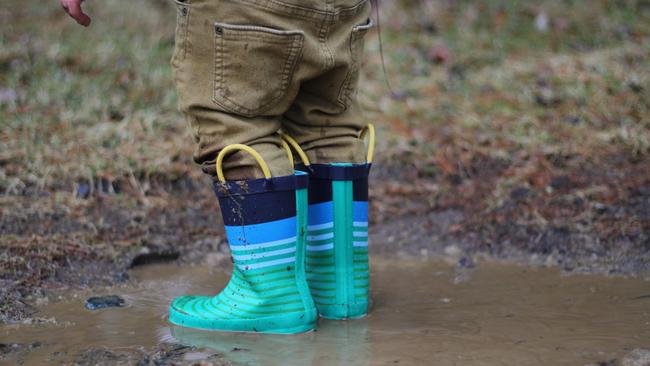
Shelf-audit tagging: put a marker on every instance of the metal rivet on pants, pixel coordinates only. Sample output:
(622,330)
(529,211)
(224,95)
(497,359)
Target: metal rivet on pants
(183,11)
(218,29)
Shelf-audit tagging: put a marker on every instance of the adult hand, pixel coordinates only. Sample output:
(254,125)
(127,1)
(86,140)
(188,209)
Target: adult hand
(73,8)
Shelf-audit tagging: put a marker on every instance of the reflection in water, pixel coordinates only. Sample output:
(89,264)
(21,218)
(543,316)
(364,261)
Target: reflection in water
(421,314)
(335,343)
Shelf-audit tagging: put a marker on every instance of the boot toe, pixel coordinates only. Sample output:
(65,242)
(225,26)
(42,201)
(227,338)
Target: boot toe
(200,312)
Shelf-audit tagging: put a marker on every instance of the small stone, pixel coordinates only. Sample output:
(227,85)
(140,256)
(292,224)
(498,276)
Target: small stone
(82,191)
(147,257)
(519,193)
(571,119)
(455,179)
(101,302)
(635,86)
(466,262)
(561,182)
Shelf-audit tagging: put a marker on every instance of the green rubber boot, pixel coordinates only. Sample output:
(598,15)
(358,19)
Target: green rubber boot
(337,264)
(265,221)
(337,240)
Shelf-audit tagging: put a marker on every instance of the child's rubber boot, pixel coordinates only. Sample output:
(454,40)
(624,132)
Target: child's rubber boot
(265,221)
(337,236)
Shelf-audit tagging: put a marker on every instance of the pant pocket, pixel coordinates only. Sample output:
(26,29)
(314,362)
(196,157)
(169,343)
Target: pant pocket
(349,88)
(254,66)
(180,38)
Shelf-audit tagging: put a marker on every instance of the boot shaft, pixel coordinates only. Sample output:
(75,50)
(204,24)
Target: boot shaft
(337,239)
(261,221)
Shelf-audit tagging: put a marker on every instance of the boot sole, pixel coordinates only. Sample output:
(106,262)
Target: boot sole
(292,323)
(343,312)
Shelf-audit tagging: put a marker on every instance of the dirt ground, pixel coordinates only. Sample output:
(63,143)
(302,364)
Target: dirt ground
(52,242)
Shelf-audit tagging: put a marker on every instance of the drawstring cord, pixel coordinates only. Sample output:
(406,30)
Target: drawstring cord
(381,50)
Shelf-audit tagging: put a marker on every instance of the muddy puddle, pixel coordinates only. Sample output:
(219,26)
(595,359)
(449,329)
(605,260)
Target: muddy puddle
(423,313)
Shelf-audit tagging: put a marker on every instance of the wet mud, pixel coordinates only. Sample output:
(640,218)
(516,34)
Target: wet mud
(57,242)
(423,312)
(54,240)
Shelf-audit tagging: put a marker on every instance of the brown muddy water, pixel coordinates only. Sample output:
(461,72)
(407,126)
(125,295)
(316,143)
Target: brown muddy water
(424,312)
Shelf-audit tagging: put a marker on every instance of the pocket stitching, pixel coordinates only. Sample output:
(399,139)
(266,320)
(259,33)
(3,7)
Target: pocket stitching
(294,42)
(358,31)
(258,28)
(181,53)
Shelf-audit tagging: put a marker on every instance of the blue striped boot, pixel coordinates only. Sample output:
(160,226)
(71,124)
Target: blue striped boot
(265,221)
(337,235)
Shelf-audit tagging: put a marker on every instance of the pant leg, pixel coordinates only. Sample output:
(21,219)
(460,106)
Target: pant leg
(325,117)
(234,68)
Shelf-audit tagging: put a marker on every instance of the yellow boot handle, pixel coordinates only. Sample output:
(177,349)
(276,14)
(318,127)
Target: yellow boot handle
(296,147)
(288,150)
(370,131)
(240,147)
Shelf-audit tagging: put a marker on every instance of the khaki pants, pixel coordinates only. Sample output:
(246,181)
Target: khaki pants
(246,69)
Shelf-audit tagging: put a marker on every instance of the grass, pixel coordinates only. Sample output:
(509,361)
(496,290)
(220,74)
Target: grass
(508,90)
(83,104)
(99,103)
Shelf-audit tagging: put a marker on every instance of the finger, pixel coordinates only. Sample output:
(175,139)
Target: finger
(74,9)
